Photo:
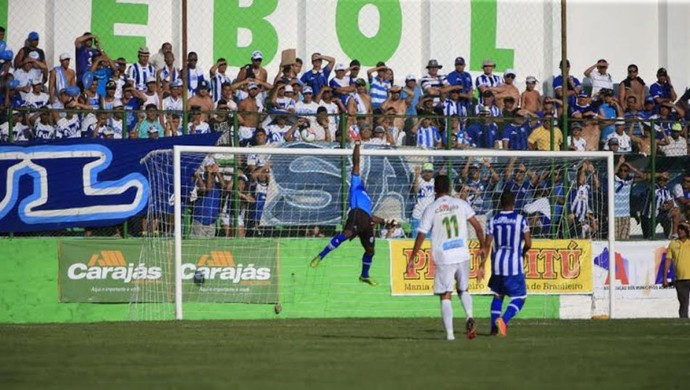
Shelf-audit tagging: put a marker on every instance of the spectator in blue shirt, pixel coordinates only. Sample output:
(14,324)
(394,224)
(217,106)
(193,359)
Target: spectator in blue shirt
(464,79)
(317,77)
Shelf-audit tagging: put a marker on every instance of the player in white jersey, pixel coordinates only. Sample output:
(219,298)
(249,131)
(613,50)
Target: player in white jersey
(424,193)
(447,219)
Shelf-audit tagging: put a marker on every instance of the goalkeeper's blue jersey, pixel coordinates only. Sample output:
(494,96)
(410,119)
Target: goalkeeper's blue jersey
(359,199)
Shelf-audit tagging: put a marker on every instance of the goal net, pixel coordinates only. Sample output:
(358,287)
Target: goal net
(234,229)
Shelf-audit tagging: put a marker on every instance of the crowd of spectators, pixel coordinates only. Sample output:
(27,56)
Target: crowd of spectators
(104,97)
(435,110)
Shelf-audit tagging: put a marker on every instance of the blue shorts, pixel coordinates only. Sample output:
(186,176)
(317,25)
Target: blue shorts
(512,286)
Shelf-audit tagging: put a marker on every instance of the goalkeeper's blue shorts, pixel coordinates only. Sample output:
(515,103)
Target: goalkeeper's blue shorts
(511,285)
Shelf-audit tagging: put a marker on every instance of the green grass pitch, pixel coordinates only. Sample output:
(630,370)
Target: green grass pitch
(346,354)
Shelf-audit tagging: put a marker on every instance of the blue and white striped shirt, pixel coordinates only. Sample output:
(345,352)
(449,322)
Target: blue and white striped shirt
(378,90)
(621,196)
(453,108)
(507,228)
(663,195)
(217,81)
(491,80)
(579,201)
(428,137)
(141,74)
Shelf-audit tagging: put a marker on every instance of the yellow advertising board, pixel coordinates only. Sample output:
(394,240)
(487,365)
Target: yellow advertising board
(551,267)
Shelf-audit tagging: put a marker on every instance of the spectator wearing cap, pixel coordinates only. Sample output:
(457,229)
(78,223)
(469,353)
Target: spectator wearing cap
(307,107)
(325,100)
(173,104)
(541,137)
(254,70)
(27,73)
(423,188)
(426,134)
(668,114)
(197,124)
(168,73)
(359,103)
(353,71)
(103,69)
(378,84)
(193,73)
(152,94)
(279,131)
(530,99)
(666,210)
(632,85)
(622,139)
(30,45)
(141,71)
(662,90)
(506,89)
(649,106)
(433,82)
(61,77)
(572,86)
(515,132)
(459,77)
(86,48)
(575,141)
(158,59)
(283,99)
(20,132)
(488,79)
(36,98)
(248,114)
(341,85)
(379,137)
(488,102)
(601,78)
(42,124)
(69,125)
(203,100)
(149,125)
(411,89)
(609,111)
(484,130)
(115,121)
(218,77)
(317,76)
(675,145)
(452,106)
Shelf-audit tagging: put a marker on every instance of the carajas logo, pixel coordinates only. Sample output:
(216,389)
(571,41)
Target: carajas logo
(112,265)
(220,265)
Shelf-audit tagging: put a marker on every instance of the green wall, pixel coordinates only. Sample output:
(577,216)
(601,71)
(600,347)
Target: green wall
(29,290)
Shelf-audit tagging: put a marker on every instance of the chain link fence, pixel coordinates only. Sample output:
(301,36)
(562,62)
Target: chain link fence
(232,44)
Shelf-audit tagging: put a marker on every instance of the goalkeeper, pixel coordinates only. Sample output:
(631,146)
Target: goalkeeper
(360,222)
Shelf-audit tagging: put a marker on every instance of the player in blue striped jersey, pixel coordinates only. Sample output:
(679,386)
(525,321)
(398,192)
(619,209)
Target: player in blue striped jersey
(509,233)
(360,222)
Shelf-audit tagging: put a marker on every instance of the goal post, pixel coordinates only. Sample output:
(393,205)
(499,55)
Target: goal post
(306,190)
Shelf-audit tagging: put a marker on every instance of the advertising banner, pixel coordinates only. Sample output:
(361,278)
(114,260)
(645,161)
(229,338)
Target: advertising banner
(78,183)
(551,267)
(137,271)
(639,270)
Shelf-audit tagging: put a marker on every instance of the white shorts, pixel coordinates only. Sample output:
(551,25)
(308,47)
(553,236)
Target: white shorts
(445,276)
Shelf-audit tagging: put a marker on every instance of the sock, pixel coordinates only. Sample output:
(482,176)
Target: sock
(466,300)
(366,264)
(496,305)
(335,242)
(514,307)
(447,315)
